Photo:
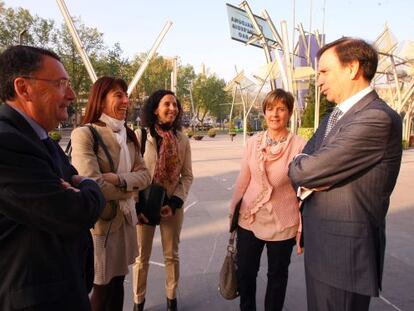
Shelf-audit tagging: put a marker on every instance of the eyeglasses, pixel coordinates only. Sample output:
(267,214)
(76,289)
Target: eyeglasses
(62,83)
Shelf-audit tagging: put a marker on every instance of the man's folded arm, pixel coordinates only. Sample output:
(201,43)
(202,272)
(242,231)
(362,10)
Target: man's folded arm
(31,194)
(360,145)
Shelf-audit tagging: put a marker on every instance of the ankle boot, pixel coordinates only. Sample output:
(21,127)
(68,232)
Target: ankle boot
(172,304)
(139,306)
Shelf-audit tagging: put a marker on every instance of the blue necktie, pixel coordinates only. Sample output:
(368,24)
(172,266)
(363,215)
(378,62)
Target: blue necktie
(52,148)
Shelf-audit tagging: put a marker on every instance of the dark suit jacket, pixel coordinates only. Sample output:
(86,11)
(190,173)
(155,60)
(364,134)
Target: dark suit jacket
(44,229)
(344,227)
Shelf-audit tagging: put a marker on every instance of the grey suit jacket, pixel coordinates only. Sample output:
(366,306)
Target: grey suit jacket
(344,226)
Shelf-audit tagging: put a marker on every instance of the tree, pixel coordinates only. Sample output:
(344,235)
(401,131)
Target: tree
(92,42)
(185,77)
(112,63)
(156,76)
(208,96)
(308,117)
(16,24)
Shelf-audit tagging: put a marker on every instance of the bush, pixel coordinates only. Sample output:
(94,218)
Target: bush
(211,132)
(404,144)
(55,135)
(230,125)
(189,133)
(305,132)
(264,125)
(198,137)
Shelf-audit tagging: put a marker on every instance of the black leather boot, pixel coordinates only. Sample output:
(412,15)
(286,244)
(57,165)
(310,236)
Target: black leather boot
(172,304)
(139,306)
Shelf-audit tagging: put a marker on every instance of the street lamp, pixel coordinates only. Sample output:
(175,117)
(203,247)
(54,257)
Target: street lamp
(21,35)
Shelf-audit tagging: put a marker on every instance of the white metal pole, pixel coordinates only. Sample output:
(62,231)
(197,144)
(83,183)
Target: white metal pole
(323,24)
(289,72)
(151,53)
(310,30)
(279,40)
(76,39)
(317,99)
(174,75)
(259,32)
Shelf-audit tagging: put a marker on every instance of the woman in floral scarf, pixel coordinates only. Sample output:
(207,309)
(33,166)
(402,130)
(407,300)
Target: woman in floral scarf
(168,159)
(269,212)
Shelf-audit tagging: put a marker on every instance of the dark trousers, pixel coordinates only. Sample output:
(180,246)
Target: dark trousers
(323,297)
(109,297)
(249,251)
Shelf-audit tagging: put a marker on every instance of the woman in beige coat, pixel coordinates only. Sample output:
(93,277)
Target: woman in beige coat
(168,159)
(114,234)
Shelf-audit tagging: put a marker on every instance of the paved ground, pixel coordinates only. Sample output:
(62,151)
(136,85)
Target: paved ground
(203,241)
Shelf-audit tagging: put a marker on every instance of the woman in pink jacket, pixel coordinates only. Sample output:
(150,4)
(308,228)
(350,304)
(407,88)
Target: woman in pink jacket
(269,213)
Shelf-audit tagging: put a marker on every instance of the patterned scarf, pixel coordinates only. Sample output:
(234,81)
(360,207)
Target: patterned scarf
(127,206)
(268,153)
(167,169)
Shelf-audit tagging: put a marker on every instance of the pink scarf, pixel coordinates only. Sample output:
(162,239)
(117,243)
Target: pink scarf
(167,169)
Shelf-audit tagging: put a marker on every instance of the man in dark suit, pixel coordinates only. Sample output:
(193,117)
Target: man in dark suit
(46,209)
(349,170)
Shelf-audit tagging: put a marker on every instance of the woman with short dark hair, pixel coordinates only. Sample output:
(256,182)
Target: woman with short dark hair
(269,213)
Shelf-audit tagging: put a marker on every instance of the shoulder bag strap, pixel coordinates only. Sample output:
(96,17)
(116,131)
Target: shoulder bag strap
(99,142)
(68,149)
(143,140)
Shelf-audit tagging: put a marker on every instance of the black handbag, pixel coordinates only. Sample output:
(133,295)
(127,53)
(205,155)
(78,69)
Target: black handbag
(151,199)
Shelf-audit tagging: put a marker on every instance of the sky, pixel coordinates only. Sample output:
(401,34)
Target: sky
(200,32)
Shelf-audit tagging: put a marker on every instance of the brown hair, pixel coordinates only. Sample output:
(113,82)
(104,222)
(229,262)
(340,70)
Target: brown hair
(97,95)
(279,95)
(350,49)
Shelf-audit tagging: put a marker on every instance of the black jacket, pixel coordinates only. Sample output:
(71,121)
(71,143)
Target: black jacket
(45,244)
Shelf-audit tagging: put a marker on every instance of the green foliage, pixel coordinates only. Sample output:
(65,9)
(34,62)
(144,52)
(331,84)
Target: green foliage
(264,125)
(305,132)
(16,24)
(156,76)
(208,90)
(404,144)
(189,132)
(308,117)
(185,75)
(249,128)
(208,95)
(230,126)
(55,135)
(92,41)
(211,132)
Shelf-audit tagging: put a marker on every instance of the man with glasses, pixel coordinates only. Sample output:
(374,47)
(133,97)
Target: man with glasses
(46,209)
